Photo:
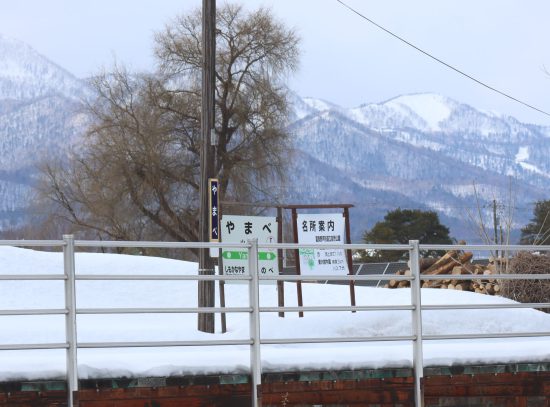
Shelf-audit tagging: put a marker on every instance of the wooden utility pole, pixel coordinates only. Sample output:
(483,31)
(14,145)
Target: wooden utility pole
(206,289)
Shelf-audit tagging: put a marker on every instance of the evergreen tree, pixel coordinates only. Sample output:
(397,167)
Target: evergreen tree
(401,225)
(538,230)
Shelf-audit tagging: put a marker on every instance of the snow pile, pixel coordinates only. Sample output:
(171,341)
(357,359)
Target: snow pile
(47,364)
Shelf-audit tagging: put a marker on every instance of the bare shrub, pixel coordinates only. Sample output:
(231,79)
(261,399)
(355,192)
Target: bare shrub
(528,291)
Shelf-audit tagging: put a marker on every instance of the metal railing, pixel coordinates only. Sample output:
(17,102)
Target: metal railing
(254,309)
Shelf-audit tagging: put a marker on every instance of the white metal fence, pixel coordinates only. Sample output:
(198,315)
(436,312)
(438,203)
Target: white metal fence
(72,344)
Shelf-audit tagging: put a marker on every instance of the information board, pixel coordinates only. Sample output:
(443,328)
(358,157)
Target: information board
(322,228)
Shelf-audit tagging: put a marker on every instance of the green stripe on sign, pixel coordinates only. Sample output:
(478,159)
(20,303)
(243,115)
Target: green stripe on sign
(237,255)
(266,256)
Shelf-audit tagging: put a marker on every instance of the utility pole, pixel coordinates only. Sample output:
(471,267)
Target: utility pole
(206,291)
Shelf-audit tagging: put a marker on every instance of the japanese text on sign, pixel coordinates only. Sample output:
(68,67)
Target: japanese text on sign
(322,228)
(240,229)
(214,223)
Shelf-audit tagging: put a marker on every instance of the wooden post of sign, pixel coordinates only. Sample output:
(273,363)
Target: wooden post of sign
(220,270)
(222,293)
(349,257)
(280,284)
(297,261)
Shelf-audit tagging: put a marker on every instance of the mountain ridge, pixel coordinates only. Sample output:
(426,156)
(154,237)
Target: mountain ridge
(26,74)
(40,119)
(446,162)
(422,150)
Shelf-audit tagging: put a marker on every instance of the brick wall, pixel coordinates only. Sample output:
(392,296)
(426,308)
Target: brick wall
(480,390)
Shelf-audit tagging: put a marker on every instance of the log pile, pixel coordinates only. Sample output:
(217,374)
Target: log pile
(452,264)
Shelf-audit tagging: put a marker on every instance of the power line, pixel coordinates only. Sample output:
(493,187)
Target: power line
(443,62)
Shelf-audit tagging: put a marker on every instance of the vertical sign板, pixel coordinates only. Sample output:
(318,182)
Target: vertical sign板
(214,211)
(214,214)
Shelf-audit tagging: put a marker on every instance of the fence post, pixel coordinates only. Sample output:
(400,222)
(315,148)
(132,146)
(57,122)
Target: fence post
(70,319)
(254,298)
(416,299)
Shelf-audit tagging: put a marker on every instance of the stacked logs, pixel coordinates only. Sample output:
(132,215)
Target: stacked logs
(454,263)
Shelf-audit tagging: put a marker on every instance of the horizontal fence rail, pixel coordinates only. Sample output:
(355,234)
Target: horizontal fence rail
(486,276)
(347,277)
(162,344)
(340,308)
(253,279)
(486,306)
(33,243)
(204,310)
(16,277)
(131,277)
(34,346)
(34,312)
(487,247)
(159,245)
(487,336)
(388,338)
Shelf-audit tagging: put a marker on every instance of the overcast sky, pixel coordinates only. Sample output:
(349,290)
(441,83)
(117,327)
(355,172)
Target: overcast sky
(345,60)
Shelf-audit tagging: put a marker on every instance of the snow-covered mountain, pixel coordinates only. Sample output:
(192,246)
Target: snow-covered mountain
(25,74)
(419,151)
(413,151)
(39,118)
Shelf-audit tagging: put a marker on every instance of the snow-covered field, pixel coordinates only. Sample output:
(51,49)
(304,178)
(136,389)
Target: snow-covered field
(48,364)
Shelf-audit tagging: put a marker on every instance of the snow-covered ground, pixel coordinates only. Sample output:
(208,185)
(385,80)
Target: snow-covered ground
(48,364)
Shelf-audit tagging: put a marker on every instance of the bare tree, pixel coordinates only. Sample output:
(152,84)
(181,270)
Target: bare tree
(137,173)
(503,222)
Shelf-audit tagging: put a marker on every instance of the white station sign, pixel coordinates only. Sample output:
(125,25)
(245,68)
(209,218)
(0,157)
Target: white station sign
(322,228)
(240,229)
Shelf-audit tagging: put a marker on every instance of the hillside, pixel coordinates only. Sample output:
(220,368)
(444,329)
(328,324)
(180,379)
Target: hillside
(413,151)
(39,118)
(419,151)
